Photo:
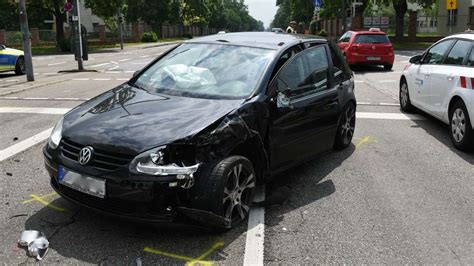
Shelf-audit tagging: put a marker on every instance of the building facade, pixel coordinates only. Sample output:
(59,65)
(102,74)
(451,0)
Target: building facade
(462,18)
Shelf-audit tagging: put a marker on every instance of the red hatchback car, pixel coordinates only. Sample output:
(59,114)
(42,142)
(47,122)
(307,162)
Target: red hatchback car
(370,47)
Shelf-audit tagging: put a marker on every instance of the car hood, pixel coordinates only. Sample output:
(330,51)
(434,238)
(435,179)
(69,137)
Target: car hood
(130,120)
(11,51)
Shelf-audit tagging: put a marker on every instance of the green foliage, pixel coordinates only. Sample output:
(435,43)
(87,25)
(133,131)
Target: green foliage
(65,45)
(149,37)
(323,33)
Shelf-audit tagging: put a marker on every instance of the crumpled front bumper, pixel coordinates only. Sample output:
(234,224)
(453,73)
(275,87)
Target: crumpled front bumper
(141,200)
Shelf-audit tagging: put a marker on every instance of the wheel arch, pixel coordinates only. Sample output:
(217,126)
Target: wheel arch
(253,150)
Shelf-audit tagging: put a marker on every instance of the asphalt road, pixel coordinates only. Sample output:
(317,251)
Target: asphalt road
(400,194)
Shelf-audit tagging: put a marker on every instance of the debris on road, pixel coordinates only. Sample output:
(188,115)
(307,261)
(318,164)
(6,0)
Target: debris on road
(9,174)
(36,242)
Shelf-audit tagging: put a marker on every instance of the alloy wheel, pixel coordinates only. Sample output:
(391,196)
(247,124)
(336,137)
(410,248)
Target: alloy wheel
(238,193)
(348,125)
(458,125)
(404,95)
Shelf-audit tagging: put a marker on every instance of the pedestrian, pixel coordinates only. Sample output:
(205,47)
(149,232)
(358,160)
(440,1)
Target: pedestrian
(292,27)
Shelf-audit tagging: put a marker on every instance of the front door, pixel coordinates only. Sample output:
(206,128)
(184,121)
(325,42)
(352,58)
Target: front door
(4,60)
(307,124)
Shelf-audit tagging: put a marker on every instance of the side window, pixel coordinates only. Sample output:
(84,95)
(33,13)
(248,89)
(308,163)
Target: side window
(285,57)
(346,37)
(341,72)
(458,53)
(470,60)
(306,74)
(436,53)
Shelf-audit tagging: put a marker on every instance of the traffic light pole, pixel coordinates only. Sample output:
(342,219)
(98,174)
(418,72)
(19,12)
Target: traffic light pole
(76,19)
(121,29)
(344,16)
(25,37)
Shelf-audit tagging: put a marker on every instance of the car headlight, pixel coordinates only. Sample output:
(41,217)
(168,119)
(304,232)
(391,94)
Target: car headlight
(56,135)
(154,162)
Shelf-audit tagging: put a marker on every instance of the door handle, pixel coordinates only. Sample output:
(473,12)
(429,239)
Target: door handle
(427,75)
(450,77)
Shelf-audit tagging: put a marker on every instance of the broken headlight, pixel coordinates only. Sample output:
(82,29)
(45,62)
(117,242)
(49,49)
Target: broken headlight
(157,162)
(56,135)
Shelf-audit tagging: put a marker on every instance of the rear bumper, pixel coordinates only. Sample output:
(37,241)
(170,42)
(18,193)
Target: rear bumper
(354,59)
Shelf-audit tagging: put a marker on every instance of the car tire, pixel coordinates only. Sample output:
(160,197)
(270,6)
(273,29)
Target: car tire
(461,132)
(346,127)
(388,67)
(404,98)
(20,66)
(220,189)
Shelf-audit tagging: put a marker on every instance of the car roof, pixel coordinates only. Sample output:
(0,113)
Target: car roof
(269,40)
(469,36)
(369,32)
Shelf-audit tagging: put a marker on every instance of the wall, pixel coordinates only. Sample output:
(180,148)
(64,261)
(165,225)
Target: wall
(462,17)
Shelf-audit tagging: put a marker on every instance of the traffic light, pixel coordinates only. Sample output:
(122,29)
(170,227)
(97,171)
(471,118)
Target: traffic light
(120,18)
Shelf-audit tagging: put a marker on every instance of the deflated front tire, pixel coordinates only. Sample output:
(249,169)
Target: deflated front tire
(225,188)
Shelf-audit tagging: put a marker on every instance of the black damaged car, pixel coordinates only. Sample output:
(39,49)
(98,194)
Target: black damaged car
(191,135)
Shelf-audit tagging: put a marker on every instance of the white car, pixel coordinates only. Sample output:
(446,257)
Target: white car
(440,82)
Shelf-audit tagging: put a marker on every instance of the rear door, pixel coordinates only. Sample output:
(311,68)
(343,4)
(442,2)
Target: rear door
(308,126)
(444,77)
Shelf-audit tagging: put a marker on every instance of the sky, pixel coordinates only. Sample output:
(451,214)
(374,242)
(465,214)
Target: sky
(263,10)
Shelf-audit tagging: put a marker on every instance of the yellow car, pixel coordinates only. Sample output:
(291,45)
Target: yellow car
(12,60)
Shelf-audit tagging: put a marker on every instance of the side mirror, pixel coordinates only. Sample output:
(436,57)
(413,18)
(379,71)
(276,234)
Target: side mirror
(283,100)
(416,59)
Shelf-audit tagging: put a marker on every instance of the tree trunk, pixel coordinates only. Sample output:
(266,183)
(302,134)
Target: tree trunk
(59,22)
(401,8)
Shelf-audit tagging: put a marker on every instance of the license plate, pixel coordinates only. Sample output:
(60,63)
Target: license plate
(85,184)
(372,58)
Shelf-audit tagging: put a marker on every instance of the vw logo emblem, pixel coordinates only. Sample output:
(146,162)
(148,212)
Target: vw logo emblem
(85,155)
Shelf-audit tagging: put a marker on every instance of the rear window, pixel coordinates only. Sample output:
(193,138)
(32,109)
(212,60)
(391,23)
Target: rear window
(371,38)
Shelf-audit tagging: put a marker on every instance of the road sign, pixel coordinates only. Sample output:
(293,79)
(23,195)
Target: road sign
(318,3)
(68,7)
(451,4)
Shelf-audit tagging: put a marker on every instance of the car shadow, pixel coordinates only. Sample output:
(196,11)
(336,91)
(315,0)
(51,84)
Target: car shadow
(364,69)
(7,75)
(440,131)
(90,237)
(303,185)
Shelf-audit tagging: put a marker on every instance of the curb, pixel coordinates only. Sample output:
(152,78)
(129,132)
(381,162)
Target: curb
(162,44)
(32,87)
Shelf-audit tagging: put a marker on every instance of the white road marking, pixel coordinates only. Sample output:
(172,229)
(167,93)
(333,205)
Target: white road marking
(255,238)
(390,104)
(58,63)
(12,80)
(113,68)
(364,103)
(25,144)
(122,79)
(125,60)
(35,98)
(81,79)
(388,116)
(407,61)
(70,99)
(129,71)
(9,98)
(99,65)
(101,79)
(49,73)
(358,81)
(387,81)
(113,72)
(113,62)
(144,56)
(34,110)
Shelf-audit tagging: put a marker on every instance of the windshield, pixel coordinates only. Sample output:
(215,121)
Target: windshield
(371,38)
(215,71)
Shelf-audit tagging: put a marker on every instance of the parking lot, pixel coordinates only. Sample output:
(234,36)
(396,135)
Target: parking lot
(400,194)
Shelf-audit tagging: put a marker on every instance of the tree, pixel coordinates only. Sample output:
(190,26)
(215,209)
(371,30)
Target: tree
(195,12)
(401,8)
(54,8)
